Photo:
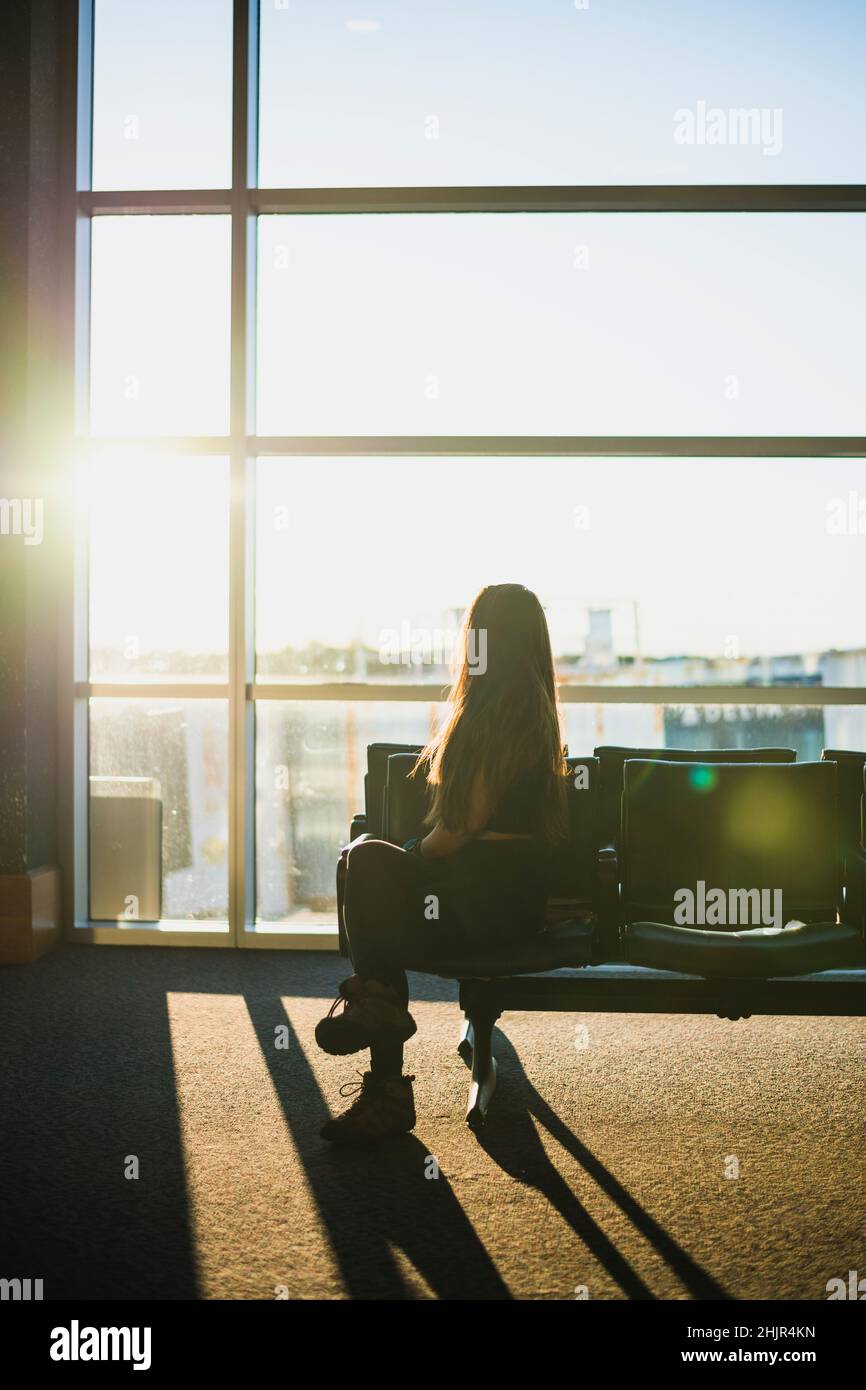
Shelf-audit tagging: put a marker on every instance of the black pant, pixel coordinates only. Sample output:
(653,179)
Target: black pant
(401,911)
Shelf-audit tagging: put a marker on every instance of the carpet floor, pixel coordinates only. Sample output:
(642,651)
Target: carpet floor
(159,1139)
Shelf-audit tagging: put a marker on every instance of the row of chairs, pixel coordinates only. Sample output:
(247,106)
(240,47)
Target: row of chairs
(648,827)
(395,805)
(611,760)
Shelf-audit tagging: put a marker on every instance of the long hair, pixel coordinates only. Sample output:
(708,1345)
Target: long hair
(504,717)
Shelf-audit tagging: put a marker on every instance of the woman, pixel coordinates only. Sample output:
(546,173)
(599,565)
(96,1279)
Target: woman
(477,878)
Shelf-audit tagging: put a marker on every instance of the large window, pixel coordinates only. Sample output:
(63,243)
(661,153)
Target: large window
(375,306)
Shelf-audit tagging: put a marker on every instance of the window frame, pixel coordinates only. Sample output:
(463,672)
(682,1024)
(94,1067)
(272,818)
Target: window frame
(243,202)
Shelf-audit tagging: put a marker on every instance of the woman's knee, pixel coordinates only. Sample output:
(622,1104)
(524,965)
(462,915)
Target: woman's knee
(370,860)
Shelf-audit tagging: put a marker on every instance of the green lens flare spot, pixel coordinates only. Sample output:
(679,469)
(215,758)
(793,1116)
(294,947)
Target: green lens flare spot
(703,779)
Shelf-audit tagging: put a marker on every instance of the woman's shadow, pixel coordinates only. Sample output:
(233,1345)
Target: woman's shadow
(513,1142)
(373,1201)
(392,1196)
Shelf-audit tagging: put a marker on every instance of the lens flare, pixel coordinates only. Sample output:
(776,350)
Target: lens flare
(703,779)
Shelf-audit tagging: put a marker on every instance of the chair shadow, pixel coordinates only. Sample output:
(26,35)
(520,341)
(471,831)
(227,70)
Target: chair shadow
(374,1200)
(515,1145)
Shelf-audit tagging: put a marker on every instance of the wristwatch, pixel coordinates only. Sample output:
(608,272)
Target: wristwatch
(413,846)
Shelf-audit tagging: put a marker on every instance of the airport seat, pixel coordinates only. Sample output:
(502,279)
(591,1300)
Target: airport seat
(850,774)
(405,800)
(741,832)
(372,821)
(375,782)
(734,826)
(855,869)
(396,805)
(729,823)
(613,757)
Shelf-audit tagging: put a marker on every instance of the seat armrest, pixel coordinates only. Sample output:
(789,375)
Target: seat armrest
(358,827)
(608,904)
(607,866)
(608,879)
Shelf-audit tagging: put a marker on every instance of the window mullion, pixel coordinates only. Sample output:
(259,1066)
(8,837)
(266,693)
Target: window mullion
(241,761)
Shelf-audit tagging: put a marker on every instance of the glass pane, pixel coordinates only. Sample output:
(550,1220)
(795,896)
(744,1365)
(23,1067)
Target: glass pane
(162,94)
(160,325)
(158,810)
(158,568)
(562,324)
(310,764)
(805,728)
(561,92)
(653,572)
(311,759)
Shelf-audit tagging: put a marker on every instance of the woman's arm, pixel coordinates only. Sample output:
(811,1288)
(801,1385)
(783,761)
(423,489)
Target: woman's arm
(441,842)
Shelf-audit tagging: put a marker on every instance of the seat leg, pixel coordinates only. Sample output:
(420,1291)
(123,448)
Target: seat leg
(465,1044)
(731,1007)
(483,1081)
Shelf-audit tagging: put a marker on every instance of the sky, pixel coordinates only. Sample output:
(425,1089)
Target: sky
(488,324)
(517,91)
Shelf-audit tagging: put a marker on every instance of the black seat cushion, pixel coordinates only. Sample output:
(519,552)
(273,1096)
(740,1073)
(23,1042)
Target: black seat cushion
(757,953)
(570,943)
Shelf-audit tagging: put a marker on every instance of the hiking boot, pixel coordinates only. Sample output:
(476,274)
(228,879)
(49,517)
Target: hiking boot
(380,1109)
(371,1012)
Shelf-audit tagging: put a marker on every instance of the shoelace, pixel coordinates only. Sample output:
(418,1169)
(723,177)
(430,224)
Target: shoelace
(350,1087)
(333,1009)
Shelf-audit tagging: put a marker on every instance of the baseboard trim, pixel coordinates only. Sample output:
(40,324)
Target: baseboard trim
(30,910)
